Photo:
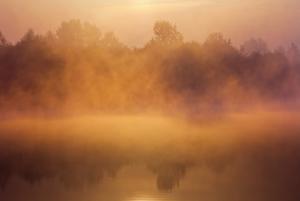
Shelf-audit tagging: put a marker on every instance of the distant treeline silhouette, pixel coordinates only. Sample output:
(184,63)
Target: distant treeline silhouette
(80,67)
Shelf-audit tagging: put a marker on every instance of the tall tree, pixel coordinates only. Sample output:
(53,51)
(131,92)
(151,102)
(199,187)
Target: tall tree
(74,33)
(166,34)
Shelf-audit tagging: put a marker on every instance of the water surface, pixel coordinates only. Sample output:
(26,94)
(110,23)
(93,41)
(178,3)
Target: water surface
(150,158)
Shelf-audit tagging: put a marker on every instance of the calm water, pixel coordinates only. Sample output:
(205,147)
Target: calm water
(150,159)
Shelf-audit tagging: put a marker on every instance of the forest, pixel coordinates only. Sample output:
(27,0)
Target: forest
(78,68)
(84,116)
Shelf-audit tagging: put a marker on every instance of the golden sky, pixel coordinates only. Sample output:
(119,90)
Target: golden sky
(276,21)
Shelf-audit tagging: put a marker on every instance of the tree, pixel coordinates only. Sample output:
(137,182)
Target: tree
(166,34)
(254,46)
(218,47)
(76,34)
(110,41)
(3,41)
(293,55)
(217,41)
(219,53)
(184,72)
(91,34)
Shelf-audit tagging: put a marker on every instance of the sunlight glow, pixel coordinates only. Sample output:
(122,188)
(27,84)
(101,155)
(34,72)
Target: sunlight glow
(148,198)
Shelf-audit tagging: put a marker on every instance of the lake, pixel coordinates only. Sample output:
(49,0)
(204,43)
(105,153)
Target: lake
(232,157)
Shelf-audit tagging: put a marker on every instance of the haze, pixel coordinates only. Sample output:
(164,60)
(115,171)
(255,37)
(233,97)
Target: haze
(147,100)
(275,21)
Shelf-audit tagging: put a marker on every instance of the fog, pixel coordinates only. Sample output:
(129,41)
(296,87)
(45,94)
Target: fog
(85,116)
(80,69)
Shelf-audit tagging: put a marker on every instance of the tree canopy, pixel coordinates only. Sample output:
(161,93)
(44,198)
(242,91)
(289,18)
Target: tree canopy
(81,67)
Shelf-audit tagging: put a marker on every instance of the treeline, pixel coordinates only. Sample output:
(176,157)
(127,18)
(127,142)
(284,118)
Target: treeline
(79,68)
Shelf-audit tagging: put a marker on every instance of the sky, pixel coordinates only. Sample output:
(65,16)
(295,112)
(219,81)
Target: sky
(275,21)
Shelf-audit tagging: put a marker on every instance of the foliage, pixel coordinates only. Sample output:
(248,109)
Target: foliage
(80,67)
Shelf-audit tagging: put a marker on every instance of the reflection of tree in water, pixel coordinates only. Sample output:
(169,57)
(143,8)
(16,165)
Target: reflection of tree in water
(78,170)
(73,169)
(247,168)
(168,175)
